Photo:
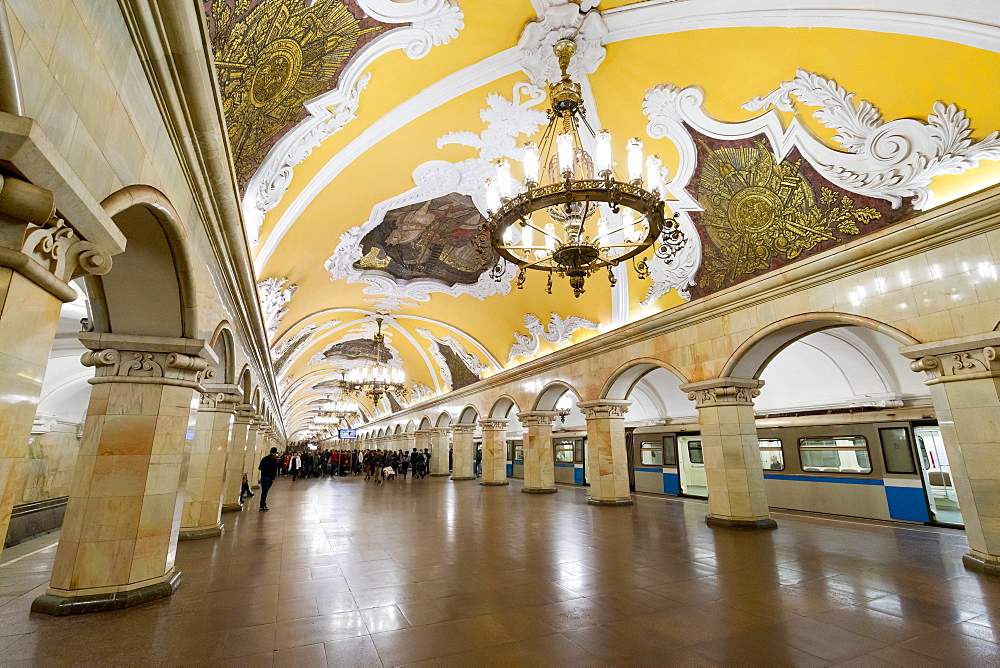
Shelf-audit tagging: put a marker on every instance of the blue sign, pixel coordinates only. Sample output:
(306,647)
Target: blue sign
(348,433)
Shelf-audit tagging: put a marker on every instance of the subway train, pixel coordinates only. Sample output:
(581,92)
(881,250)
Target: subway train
(882,465)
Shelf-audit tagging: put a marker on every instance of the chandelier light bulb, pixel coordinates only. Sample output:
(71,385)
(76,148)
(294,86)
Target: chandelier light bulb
(564,147)
(653,179)
(503,178)
(634,152)
(530,163)
(602,152)
(492,195)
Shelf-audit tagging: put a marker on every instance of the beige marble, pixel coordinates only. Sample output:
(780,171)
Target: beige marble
(52,451)
(494,451)
(462,453)
(539,466)
(125,506)
(439,440)
(250,459)
(607,458)
(206,462)
(235,460)
(28,318)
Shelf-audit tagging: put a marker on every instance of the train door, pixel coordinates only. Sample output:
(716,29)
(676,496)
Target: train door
(691,466)
(515,459)
(936,472)
(904,488)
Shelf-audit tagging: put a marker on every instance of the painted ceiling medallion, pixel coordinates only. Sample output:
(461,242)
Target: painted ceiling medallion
(447,203)
(271,56)
(883,165)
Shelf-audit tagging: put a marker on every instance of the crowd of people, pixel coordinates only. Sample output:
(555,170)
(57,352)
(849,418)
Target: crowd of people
(377,465)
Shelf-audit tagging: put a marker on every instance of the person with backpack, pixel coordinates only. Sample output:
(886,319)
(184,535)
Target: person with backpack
(268,468)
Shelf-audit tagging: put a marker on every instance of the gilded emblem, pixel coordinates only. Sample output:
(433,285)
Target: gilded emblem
(758,211)
(272,56)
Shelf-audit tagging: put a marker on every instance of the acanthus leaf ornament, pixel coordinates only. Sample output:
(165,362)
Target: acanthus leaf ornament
(275,293)
(563,19)
(559,330)
(474,365)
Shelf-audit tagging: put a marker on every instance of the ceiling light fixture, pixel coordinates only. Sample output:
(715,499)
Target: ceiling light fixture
(579,193)
(377,378)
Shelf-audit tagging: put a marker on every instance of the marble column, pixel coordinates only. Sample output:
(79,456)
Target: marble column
(736,495)
(439,440)
(422,439)
(607,458)
(539,465)
(462,455)
(236,459)
(122,521)
(964,379)
(407,441)
(494,451)
(258,454)
(39,255)
(250,455)
(206,462)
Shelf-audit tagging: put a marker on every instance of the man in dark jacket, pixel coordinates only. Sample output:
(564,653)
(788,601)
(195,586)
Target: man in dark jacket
(268,468)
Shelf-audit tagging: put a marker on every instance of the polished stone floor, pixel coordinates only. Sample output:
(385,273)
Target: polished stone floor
(344,573)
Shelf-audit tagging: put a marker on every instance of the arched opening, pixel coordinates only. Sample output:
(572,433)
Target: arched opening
(225,352)
(425,424)
(443,420)
(506,407)
(569,432)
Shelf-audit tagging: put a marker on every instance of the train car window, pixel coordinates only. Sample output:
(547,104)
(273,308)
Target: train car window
(896,450)
(651,453)
(518,451)
(695,453)
(669,451)
(578,449)
(835,454)
(564,450)
(772,458)
(923,452)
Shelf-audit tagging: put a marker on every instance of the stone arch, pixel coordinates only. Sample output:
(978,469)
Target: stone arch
(626,376)
(551,393)
(398,429)
(502,407)
(469,415)
(224,346)
(443,420)
(410,427)
(150,290)
(246,383)
(255,402)
(749,360)
(425,424)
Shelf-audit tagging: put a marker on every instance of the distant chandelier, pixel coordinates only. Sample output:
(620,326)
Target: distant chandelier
(333,412)
(377,378)
(577,192)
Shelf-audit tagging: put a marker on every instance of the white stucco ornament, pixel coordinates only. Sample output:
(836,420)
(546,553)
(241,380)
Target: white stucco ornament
(559,330)
(275,293)
(561,19)
(471,362)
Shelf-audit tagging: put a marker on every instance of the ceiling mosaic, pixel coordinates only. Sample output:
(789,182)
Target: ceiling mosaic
(783,154)
(271,56)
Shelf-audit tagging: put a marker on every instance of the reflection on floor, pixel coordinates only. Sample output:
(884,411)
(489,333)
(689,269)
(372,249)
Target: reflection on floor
(948,516)
(346,573)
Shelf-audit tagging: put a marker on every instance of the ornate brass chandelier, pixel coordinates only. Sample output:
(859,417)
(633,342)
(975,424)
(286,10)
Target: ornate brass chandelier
(335,412)
(575,193)
(377,378)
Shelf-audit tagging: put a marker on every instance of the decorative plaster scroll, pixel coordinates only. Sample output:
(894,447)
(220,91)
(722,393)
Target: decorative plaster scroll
(432,22)
(493,424)
(57,248)
(885,160)
(559,331)
(558,20)
(275,293)
(130,366)
(603,410)
(419,392)
(463,428)
(963,365)
(471,362)
(724,396)
(222,402)
(505,120)
(537,418)
(291,349)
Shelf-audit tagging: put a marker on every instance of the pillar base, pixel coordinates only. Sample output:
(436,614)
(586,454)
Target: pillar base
(751,525)
(440,475)
(982,565)
(623,501)
(57,606)
(463,478)
(499,483)
(539,490)
(232,507)
(197,533)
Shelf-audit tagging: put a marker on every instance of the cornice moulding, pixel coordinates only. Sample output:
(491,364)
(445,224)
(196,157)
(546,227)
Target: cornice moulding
(948,223)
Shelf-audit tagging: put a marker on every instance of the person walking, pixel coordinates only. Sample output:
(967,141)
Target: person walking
(268,468)
(245,489)
(295,466)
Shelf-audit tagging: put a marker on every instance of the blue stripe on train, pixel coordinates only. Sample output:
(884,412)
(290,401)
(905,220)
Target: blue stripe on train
(510,469)
(907,503)
(816,478)
(578,475)
(671,483)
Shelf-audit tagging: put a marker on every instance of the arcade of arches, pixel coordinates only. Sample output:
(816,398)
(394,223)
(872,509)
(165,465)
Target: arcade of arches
(204,207)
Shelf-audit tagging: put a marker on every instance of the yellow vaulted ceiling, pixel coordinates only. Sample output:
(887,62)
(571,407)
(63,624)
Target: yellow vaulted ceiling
(902,75)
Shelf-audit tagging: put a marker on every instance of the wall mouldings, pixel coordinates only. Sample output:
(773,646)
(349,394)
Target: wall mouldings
(471,362)
(275,293)
(559,330)
(892,161)
(560,19)
(431,23)
(505,119)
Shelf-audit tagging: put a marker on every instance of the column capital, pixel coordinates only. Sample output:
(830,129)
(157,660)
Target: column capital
(493,424)
(964,358)
(146,360)
(723,391)
(245,414)
(604,409)
(537,418)
(440,430)
(424,432)
(220,398)
(462,428)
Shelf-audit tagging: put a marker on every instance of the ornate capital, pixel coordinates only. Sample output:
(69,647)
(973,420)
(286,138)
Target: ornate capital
(218,400)
(965,358)
(440,431)
(723,392)
(145,367)
(604,409)
(463,428)
(537,418)
(493,424)
(245,414)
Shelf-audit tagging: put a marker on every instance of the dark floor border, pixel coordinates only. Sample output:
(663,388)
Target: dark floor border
(58,606)
(30,520)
